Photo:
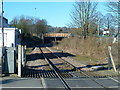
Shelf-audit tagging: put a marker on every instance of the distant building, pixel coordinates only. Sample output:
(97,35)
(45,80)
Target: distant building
(106,32)
(5,22)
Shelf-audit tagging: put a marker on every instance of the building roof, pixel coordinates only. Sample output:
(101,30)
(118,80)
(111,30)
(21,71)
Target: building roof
(4,18)
(5,22)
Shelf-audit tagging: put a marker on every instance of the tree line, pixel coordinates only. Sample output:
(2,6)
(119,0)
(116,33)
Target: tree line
(30,26)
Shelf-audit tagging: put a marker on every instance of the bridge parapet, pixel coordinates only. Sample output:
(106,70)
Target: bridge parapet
(57,35)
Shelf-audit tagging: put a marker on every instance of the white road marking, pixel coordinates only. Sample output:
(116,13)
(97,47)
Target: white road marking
(43,83)
(114,79)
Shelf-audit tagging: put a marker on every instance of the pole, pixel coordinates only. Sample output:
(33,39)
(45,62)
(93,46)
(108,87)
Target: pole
(2,28)
(22,54)
(25,55)
(19,60)
(111,58)
(2,24)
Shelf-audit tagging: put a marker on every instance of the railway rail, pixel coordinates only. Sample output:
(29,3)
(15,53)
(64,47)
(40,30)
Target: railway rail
(84,74)
(40,68)
(58,72)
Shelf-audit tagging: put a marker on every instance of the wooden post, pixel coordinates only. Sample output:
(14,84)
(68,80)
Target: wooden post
(19,61)
(111,57)
(109,60)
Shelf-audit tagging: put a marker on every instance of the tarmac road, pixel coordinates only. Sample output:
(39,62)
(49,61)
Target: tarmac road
(55,83)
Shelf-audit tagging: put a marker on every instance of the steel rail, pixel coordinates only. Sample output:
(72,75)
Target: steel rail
(79,70)
(67,87)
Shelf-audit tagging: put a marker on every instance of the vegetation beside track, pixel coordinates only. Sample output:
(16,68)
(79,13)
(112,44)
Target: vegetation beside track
(93,50)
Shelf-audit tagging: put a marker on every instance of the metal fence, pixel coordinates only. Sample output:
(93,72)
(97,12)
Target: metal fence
(8,59)
(12,58)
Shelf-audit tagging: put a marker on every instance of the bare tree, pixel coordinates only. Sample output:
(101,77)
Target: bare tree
(14,22)
(41,26)
(114,8)
(100,21)
(109,20)
(83,15)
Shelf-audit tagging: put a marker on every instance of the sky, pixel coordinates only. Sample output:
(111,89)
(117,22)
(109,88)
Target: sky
(57,0)
(57,14)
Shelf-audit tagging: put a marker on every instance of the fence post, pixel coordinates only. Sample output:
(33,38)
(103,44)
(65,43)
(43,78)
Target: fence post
(19,60)
(111,58)
(24,56)
(22,53)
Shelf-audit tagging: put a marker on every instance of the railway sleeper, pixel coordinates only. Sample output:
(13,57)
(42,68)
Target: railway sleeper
(38,74)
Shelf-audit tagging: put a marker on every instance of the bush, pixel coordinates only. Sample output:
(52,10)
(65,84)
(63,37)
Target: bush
(92,46)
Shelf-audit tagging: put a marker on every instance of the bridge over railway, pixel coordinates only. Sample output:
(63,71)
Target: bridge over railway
(55,36)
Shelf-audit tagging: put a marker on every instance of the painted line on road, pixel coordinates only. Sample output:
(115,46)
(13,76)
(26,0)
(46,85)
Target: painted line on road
(43,83)
(114,79)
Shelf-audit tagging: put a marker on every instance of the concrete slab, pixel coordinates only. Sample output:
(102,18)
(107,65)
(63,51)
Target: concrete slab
(80,83)
(52,83)
(73,83)
(109,83)
(21,83)
(56,83)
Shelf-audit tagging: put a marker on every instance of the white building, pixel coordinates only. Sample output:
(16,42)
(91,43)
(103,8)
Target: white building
(11,37)
(105,32)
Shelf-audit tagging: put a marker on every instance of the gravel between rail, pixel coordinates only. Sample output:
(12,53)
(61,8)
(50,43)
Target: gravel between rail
(61,65)
(36,61)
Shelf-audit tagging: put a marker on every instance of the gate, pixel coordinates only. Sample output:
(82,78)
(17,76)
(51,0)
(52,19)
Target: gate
(9,63)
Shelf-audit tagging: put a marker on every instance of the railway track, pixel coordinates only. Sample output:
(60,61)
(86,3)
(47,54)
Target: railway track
(41,69)
(58,72)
